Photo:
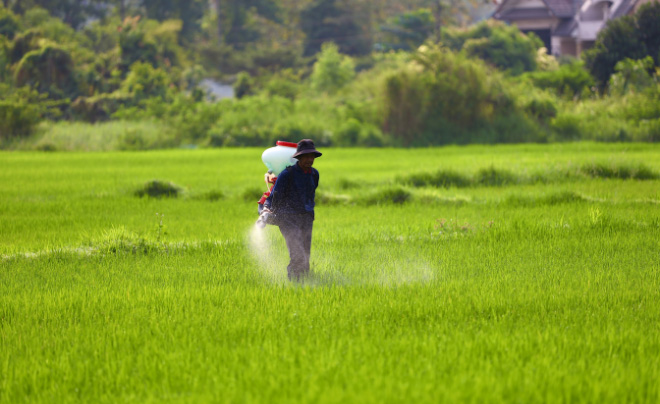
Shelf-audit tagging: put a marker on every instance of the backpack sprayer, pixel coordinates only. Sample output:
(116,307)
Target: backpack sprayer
(277,159)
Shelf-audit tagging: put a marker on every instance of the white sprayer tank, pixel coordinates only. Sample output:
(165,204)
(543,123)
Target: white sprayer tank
(279,157)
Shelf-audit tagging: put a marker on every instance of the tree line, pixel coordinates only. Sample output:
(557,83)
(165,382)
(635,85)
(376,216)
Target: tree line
(348,72)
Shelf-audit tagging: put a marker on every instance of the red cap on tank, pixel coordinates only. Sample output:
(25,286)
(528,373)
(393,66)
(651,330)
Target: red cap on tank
(287,144)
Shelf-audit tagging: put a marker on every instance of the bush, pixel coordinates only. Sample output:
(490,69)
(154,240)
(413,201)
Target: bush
(495,42)
(286,86)
(159,189)
(21,110)
(49,70)
(9,24)
(632,36)
(144,81)
(261,120)
(538,105)
(332,70)
(100,107)
(443,97)
(619,171)
(631,76)
(494,177)
(566,127)
(570,80)
(439,179)
(395,195)
(408,30)
(243,85)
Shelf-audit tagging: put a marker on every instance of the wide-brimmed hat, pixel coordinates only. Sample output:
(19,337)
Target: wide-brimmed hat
(306,146)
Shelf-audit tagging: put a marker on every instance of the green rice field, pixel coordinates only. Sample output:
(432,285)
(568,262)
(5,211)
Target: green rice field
(475,274)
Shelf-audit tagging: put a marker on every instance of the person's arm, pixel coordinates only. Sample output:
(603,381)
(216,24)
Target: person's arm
(277,191)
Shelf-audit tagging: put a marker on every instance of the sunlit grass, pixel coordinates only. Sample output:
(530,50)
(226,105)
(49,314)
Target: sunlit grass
(500,292)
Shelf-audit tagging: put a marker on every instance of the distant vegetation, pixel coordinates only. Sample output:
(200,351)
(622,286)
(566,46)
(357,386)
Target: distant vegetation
(385,76)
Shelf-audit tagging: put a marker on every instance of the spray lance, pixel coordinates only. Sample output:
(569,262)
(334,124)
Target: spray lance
(277,159)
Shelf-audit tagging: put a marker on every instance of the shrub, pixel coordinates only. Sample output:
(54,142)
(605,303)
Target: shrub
(211,196)
(648,130)
(538,105)
(632,36)
(395,195)
(144,81)
(441,179)
(159,189)
(332,70)
(408,30)
(570,79)
(499,44)
(243,85)
(283,85)
(631,75)
(261,120)
(326,198)
(491,176)
(347,134)
(442,97)
(566,126)
(619,171)
(21,110)
(9,24)
(49,70)
(99,107)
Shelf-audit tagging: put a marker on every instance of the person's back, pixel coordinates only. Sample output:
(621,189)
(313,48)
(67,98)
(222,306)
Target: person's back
(292,202)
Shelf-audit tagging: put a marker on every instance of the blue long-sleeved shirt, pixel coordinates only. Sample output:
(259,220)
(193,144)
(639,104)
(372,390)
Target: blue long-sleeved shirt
(294,192)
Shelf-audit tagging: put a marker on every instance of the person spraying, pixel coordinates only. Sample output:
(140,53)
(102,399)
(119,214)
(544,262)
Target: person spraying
(290,206)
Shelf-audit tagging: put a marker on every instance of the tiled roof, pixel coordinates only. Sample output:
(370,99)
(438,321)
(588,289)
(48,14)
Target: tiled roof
(563,8)
(624,8)
(513,14)
(565,27)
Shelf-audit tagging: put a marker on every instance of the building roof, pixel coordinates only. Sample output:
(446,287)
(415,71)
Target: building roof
(511,14)
(565,27)
(563,8)
(556,8)
(624,8)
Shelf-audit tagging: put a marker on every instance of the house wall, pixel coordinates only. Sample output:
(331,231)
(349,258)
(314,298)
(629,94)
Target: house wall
(565,46)
(548,23)
(524,4)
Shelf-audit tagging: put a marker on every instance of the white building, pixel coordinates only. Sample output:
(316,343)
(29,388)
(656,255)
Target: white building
(567,27)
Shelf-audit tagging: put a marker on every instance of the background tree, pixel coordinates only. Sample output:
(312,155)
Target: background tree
(332,70)
(49,70)
(629,37)
(234,23)
(499,44)
(190,12)
(338,21)
(9,25)
(72,12)
(408,30)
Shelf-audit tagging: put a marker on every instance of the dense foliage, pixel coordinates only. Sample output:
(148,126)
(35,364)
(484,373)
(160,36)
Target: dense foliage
(332,70)
(628,37)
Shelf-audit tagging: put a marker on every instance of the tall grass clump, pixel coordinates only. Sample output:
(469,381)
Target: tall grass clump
(159,189)
(443,178)
(635,171)
(390,195)
(554,198)
(494,177)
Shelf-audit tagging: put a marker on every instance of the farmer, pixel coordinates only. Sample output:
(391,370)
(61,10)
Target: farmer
(292,201)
